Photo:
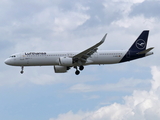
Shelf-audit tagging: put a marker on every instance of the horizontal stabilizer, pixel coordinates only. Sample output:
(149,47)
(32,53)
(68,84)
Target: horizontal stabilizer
(145,51)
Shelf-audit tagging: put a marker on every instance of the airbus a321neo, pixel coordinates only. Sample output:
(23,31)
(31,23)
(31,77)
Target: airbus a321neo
(63,61)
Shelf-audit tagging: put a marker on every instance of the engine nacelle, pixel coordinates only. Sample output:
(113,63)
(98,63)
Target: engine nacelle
(60,69)
(65,61)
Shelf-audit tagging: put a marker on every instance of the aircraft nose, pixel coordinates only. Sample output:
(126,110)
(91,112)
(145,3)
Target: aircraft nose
(7,61)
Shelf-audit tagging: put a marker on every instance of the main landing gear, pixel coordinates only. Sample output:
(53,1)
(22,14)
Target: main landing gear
(80,68)
(77,72)
(22,70)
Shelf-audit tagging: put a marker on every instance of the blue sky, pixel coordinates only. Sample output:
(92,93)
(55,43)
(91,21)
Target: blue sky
(111,92)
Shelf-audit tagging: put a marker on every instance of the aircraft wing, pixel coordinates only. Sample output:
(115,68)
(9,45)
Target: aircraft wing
(82,57)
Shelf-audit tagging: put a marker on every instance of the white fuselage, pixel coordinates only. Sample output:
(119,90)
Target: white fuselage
(63,61)
(52,58)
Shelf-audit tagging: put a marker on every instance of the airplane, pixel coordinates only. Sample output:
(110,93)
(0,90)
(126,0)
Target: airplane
(63,61)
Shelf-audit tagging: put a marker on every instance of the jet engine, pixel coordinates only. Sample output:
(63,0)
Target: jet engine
(65,61)
(60,69)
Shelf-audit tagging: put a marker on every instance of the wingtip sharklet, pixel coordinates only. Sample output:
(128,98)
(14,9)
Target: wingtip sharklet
(103,39)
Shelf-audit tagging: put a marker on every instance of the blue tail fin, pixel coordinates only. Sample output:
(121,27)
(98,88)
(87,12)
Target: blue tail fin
(138,46)
(141,42)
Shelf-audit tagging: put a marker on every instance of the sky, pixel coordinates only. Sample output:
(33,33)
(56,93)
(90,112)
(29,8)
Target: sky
(126,91)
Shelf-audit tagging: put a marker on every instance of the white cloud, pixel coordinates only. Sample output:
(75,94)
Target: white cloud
(156,77)
(123,85)
(70,116)
(135,22)
(45,28)
(80,7)
(59,20)
(131,1)
(69,21)
(123,7)
(144,105)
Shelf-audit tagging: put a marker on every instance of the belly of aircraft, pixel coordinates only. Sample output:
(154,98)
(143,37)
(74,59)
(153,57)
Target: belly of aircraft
(108,59)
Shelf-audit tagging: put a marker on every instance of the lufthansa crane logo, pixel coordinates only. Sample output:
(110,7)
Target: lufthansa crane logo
(140,44)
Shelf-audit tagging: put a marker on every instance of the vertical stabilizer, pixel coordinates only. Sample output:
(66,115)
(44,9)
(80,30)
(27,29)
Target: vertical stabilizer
(138,46)
(141,42)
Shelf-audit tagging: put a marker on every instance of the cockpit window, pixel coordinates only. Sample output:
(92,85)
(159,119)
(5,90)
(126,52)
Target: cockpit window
(13,56)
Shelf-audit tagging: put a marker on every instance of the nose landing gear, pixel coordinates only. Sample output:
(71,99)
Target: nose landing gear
(22,70)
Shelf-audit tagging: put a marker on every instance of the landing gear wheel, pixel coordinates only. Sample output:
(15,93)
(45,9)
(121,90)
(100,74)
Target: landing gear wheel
(81,67)
(22,70)
(77,72)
